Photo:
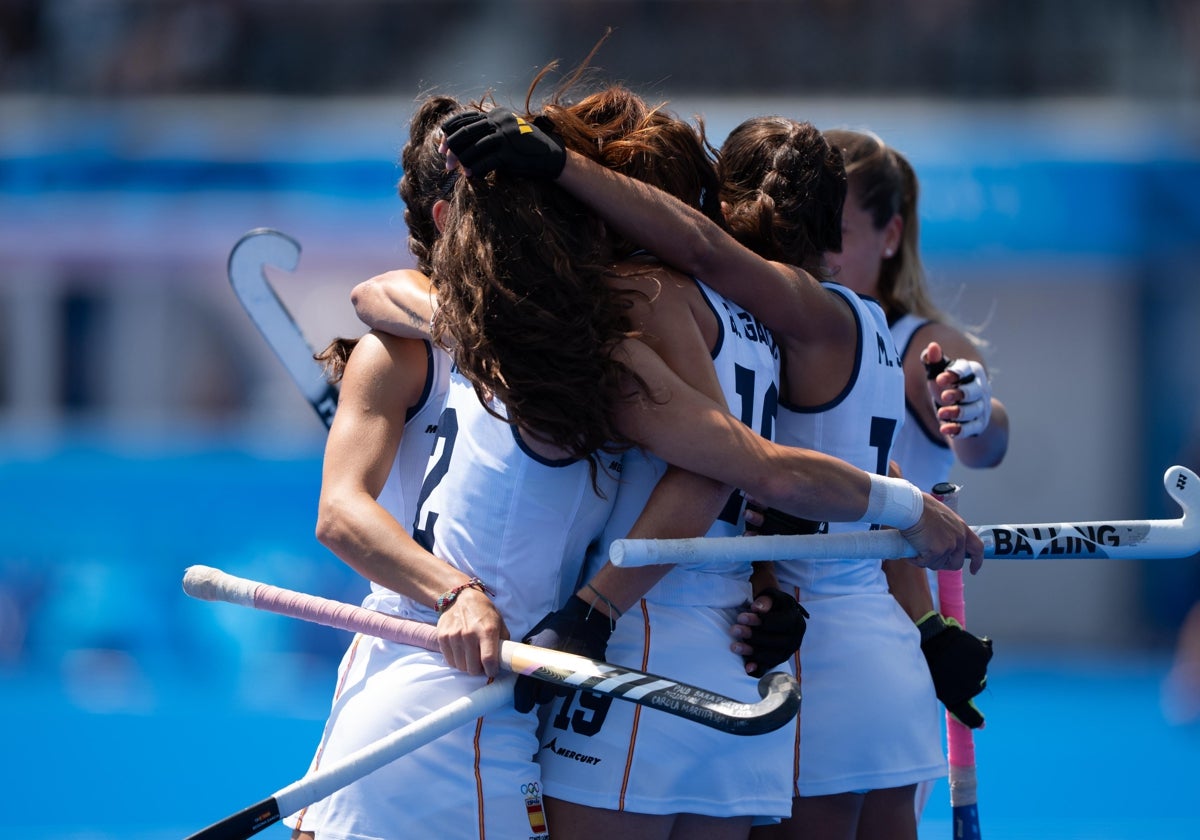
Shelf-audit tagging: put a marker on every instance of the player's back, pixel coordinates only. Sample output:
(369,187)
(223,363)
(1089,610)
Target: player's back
(860,427)
(494,508)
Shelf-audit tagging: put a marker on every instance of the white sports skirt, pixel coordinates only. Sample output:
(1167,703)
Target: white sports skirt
(477,781)
(869,719)
(616,755)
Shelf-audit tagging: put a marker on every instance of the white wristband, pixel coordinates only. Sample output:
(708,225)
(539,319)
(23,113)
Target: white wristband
(893,502)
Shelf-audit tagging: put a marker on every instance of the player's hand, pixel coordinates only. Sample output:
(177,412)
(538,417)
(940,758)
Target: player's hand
(577,628)
(470,633)
(500,140)
(770,631)
(958,664)
(961,390)
(943,540)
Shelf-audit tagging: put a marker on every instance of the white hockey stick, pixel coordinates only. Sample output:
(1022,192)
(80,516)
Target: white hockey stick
(1130,539)
(319,784)
(247,263)
(780,692)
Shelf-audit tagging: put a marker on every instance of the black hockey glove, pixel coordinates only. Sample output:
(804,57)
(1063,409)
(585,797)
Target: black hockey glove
(777,522)
(501,140)
(958,664)
(780,634)
(577,628)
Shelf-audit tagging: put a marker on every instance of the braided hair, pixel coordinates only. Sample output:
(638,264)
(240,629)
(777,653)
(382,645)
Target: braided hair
(783,185)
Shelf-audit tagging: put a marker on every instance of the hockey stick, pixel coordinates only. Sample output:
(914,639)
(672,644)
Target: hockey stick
(1131,539)
(248,259)
(780,692)
(321,783)
(960,741)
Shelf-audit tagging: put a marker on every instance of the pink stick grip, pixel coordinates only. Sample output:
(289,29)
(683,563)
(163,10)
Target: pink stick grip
(960,742)
(959,739)
(345,616)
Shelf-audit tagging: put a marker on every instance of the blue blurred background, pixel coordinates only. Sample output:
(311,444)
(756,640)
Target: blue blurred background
(147,427)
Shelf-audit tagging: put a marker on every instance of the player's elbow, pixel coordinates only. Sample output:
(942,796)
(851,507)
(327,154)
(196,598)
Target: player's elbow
(363,294)
(335,521)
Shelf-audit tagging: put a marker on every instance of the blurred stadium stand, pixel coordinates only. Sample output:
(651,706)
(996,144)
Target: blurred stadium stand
(943,48)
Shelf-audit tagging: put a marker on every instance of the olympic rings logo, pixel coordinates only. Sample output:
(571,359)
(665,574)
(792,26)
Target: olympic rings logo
(531,789)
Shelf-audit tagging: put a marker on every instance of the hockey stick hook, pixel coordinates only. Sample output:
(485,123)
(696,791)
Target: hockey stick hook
(247,275)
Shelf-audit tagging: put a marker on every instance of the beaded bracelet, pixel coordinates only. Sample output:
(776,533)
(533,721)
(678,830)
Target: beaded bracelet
(446,599)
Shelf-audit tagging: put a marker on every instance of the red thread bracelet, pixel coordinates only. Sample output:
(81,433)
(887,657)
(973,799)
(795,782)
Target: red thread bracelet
(446,599)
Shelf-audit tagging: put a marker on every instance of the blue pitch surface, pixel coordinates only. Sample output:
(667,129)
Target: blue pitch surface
(132,712)
(1075,749)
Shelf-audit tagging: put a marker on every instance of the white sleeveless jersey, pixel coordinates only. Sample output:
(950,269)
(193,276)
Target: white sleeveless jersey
(399,494)
(864,677)
(522,524)
(859,426)
(496,510)
(746,359)
(924,458)
(618,756)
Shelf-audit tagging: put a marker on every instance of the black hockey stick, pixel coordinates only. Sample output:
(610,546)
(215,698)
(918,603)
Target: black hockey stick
(780,692)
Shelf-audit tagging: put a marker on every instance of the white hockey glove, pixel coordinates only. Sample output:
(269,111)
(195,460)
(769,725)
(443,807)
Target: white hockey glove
(975,405)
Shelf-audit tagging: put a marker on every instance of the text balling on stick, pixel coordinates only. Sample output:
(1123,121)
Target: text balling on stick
(1126,539)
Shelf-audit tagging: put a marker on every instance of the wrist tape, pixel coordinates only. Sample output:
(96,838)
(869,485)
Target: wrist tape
(893,502)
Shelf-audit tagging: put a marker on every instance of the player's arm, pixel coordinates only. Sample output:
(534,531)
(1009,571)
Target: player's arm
(909,585)
(383,378)
(682,504)
(685,428)
(786,299)
(399,303)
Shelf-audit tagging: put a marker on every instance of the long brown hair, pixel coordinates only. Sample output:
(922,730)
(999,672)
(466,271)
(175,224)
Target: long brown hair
(618,129)
(424,181)
(519,271)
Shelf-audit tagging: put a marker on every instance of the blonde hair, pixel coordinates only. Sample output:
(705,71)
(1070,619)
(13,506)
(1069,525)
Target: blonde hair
(885,185)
